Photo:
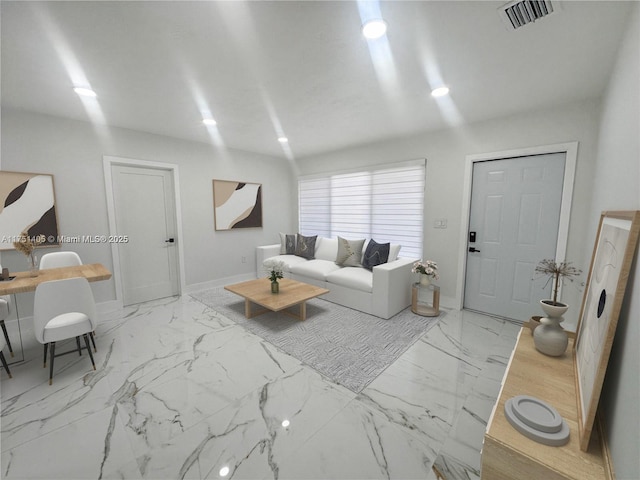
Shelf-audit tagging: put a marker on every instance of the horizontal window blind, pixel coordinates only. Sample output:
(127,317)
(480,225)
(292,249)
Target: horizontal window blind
(384,203)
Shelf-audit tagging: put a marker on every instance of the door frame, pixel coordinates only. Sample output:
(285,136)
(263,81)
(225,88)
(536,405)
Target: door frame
(108,162)
(570,149)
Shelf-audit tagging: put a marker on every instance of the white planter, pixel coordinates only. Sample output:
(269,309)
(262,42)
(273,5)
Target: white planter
(549,337)
(551,310)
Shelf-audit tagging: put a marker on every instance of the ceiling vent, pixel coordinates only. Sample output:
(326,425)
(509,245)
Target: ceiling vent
(519,13)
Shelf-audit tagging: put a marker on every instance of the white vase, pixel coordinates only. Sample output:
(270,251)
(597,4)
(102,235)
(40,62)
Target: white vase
(553,310)
(549,337)
(425,281)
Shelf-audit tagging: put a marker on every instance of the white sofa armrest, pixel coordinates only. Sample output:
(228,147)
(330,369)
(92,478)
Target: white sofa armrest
(392,287)
(264,252)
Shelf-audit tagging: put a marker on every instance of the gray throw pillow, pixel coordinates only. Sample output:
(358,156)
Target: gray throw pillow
(306,246)
(349,252)
(291,244)
(287,244)
(375,254)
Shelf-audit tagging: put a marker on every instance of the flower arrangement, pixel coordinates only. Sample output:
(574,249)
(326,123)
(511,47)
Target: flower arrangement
(26,245)
(275,269)
(428,268)
(557,272)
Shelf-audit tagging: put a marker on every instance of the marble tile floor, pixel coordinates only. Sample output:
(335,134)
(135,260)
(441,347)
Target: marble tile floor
(182,392)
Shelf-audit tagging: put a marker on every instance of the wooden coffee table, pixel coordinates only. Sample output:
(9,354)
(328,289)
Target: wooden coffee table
(292,293)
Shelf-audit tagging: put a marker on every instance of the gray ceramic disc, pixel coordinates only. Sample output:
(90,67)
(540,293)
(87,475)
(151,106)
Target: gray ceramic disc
(555,439)
(536,413)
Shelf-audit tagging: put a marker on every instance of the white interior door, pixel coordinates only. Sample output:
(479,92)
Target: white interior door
(515,214)
(145,214)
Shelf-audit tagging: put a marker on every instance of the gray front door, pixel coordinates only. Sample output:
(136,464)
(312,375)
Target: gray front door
(515,214)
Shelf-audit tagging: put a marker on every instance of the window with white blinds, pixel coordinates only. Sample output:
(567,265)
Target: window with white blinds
(384,203)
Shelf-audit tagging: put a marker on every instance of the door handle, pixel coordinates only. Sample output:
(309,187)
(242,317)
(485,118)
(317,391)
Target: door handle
(473,250)
(170,240)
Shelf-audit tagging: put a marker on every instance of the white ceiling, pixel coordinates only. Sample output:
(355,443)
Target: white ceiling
(300,69)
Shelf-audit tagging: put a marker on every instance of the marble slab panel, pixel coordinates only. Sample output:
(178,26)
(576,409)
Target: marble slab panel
(359,443)
(92,447)
(248,437)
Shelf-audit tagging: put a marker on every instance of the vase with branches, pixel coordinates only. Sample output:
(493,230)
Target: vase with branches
(556,272)
(549,337)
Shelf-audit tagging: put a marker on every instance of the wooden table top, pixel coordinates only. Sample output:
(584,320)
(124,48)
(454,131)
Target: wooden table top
(291,293)
(25,283)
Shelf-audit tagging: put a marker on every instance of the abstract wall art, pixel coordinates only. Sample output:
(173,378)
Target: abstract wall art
(611,261)
(27,203)
(237,205)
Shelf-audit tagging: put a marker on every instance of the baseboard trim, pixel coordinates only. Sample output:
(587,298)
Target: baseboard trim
(448,302)
(108,306)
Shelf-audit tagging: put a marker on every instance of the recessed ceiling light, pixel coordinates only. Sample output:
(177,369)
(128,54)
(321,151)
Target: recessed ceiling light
(224,471)
(440,91)
(374,28)
(209,121)
(283,139)
(286,423)
(85,92)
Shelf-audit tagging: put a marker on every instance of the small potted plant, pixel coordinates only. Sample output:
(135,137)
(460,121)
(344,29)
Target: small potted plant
(427,269)
(556,272)
(549,337)
(275,271)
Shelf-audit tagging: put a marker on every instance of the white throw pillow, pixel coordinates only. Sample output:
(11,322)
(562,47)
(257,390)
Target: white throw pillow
(349,252)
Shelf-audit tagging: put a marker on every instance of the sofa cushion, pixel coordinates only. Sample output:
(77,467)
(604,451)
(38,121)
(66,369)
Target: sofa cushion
(288,260)
(306,246)
(326,248)
(357,278)
(287,243)
(376,254)
(394,251)
(349,252)
(317,269)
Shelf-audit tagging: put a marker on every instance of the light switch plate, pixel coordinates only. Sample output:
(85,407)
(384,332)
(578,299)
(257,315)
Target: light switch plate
(440,223)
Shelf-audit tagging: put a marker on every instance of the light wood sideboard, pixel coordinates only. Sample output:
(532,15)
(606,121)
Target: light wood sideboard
(507,454)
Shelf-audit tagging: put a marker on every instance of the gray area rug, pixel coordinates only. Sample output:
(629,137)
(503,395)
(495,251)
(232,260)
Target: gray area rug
(349,347)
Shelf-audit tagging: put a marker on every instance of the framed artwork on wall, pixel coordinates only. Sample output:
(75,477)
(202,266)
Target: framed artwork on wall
(616,242)
(27,203)
(237,205)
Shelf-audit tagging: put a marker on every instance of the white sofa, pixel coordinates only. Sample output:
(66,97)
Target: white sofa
(383,291)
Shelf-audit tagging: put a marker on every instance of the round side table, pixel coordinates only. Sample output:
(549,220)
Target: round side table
(425,300)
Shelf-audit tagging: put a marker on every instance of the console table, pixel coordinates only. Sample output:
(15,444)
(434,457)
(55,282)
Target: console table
(24,282)
(507,454)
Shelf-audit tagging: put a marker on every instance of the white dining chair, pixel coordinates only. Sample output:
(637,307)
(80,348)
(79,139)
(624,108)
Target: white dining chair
(64,309)
(2,359)
(59,259)
(63,259)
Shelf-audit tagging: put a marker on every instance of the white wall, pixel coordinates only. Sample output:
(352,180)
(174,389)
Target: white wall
(616,186)
(446,151)
(73,152)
